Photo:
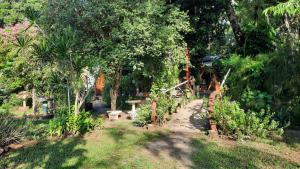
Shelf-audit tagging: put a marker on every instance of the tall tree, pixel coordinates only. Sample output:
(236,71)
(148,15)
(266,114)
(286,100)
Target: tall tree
(139,35)
(235,25)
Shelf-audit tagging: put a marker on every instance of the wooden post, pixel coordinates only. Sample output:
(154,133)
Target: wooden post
(187,66)
(154,112)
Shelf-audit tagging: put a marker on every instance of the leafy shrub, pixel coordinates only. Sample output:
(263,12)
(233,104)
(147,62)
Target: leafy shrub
(143,115)
(12,130)
(229,116)
(11,102)
(71,124)
(294,110)
(165,105)
(98,123)
(255,100)
(235,121)
(246,72)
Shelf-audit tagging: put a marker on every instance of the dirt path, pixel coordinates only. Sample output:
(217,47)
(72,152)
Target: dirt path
(189,119)
(184,126)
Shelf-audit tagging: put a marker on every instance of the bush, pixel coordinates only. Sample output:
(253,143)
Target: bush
(12,102)
(98,123)
(70,124)
(246,73)
(143,115)
(255,100)
(229,116)
(235,121)
(12,130)
(165,105)
(294,110)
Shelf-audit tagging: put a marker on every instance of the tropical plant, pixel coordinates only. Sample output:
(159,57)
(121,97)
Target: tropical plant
(12,130)
(72,124)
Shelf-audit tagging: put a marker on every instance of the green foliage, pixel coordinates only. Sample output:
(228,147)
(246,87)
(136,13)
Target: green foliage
(14,11)
(245,73)
(255,100)
(209,31)
(294,110)
(98,123)
(235,121)
(291,7)
(143,115)
(11,102)
(71,124)
(12,130)
(165,105)
(259,40)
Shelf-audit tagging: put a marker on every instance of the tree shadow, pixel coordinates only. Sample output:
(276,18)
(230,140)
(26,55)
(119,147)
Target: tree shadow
(202,153)
(126,141)
(210,155)
(66,153)
(292,138)
(199,118)
(176,146)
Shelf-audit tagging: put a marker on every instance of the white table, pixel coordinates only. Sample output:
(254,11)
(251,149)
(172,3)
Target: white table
(133,102)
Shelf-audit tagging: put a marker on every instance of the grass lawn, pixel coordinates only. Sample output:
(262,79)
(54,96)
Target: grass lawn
(123,147)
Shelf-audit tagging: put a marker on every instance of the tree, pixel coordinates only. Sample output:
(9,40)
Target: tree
(140,35)
(239,35)
(60,50)
(17,64)
(16,11)
(290,11)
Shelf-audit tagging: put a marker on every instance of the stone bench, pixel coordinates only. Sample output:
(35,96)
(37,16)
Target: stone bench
(114,115)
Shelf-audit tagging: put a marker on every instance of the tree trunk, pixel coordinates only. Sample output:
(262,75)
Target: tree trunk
(34,107)
(238,34)
(289,34)
(76,106)
(114,89)
(113,96)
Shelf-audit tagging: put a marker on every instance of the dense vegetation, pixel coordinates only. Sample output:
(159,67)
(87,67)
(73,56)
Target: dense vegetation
(54,50)
(58,48)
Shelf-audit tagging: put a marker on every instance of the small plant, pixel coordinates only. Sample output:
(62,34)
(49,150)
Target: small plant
(71,124)
(143,115)
(12,130)
(98,123)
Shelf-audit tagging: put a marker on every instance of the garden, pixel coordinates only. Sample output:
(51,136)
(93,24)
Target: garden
(149,84)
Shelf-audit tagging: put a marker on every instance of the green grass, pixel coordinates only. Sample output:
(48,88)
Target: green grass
(110,148)
(121,147)
(211,155)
